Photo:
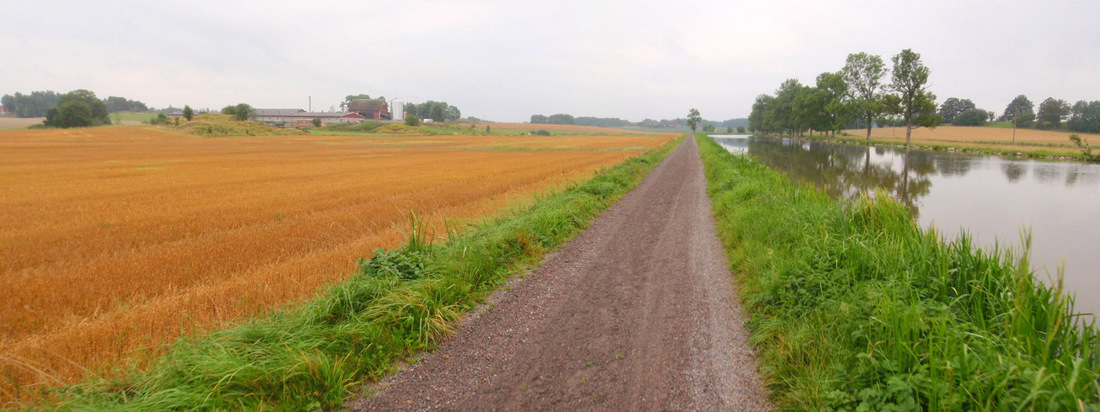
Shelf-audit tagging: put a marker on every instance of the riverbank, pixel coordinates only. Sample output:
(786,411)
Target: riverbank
(997,141)
(402,302)
(854,306)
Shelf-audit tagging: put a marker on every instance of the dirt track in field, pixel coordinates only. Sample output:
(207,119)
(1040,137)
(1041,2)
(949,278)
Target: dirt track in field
(636,313)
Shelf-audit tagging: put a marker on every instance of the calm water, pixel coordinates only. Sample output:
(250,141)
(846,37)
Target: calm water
(992,198)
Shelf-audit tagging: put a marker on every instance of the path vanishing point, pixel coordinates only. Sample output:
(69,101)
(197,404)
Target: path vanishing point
(638,312)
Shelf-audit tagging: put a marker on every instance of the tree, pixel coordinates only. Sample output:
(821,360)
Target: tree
(78,108)
(952,107)
(708,128)
(972,117)
(230,110)
(1025,120)
(1085,117)
(8,101)
(539,119)
(412,120)
(741,129)
(452,113)
(917,105)
(243,111)
(832,89)
(188,113)
(729,129)
(693,119)
(561,118)
(1018,106)
(759,113)
(316,122)
(121,104)
(863,74)
(1051,113)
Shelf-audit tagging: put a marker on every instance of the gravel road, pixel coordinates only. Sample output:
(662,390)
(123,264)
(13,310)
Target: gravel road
(636,313)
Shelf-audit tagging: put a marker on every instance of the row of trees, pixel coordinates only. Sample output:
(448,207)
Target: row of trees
(437,111)
(857,95)
(37,104)
(560,118)
(1083,116)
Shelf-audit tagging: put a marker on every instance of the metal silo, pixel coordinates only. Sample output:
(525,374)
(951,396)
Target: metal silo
(398,110)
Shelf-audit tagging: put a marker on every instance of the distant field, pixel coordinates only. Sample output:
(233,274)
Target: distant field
(996,137)
(118,240)
(7,123)
(555,128)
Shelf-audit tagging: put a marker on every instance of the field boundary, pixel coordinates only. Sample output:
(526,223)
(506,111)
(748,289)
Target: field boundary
(401,302)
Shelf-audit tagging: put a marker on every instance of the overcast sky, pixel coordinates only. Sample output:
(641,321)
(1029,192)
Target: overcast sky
(507,60)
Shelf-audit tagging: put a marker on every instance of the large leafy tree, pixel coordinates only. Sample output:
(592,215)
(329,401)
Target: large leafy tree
(78,108)
(916,105)
(1020,105)
(863,74)
(693,119)
(1051,113)
(758,116)
(787,113)
(1085,117)
(832,88)
(243,111)
(953,107)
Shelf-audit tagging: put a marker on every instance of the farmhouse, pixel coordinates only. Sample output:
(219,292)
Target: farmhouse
(376,109)
(295,116)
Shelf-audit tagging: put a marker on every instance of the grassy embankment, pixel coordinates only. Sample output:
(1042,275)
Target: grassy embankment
(403,301)
(854,307)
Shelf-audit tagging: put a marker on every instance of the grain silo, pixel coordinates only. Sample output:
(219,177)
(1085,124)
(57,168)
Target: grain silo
(398,110)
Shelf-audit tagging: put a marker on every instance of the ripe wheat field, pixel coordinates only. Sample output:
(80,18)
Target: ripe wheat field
(117,241)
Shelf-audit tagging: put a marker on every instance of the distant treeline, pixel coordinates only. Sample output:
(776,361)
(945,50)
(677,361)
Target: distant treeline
(562,118)
(865,93)
(37,104)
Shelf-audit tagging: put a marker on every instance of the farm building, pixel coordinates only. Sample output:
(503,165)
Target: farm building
(371,109)
(294,116)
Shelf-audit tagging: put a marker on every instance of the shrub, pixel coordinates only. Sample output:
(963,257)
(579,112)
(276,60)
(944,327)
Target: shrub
(541,132)
(412,120)
(972,117)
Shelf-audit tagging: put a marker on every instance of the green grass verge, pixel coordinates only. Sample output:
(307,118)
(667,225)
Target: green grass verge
(855,307)
(402,302)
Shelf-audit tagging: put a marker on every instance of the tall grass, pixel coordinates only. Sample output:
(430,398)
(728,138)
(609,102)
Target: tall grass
(402,301)
(855,307)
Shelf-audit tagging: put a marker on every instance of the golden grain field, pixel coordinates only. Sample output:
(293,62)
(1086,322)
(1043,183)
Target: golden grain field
(115,241)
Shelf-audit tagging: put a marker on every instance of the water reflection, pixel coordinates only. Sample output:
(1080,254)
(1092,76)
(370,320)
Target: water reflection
(991,198)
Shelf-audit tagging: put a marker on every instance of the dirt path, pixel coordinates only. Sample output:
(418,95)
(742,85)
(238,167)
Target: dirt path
(636,313)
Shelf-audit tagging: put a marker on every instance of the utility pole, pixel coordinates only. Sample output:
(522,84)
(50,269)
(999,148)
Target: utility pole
(311,104)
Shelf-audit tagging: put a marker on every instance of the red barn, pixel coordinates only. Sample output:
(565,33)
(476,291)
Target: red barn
(371,109)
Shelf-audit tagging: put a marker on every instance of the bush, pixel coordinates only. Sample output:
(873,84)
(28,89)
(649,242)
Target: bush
(1025,120)
(972,117)
(541,132)
(78,108)
(412,120)
(316,122)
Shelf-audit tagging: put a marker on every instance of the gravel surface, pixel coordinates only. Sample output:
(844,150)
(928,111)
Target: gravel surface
(638,312)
